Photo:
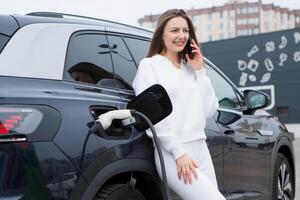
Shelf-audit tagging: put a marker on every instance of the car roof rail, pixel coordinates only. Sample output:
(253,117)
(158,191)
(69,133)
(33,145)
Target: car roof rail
(72,16)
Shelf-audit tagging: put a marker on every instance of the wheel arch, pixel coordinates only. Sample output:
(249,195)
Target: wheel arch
(121,171)
(285,147)
(285,150)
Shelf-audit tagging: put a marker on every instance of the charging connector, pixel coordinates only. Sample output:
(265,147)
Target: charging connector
(128,122)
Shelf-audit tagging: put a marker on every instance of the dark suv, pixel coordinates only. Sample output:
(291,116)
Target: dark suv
(59,72)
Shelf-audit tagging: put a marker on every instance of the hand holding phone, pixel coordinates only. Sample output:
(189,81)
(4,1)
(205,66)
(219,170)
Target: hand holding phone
(194,55)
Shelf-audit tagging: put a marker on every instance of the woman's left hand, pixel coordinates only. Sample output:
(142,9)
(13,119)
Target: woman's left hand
(197,62)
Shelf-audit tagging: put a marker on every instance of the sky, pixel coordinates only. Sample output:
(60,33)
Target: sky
(125,11)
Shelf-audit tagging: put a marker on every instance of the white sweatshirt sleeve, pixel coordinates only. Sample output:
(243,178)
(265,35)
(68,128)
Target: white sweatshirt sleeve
(209,99)
(144,78)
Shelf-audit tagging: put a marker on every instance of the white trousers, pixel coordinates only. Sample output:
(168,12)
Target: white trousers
(206,187)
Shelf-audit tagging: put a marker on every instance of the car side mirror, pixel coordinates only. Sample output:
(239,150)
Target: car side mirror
(226,102)
(256,99)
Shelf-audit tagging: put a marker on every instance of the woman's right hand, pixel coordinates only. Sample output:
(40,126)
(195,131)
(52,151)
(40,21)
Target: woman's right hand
(186,168)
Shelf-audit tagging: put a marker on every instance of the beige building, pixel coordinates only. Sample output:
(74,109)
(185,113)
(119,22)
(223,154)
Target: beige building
(236,18)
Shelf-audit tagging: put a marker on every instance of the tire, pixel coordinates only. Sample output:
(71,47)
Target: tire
(119,192)
(282,190)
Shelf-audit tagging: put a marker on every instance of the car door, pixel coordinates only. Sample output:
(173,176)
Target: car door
(246,147)
(89,90)
(125,61)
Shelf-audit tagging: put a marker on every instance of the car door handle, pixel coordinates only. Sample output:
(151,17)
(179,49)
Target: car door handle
(265,132)
(229,132)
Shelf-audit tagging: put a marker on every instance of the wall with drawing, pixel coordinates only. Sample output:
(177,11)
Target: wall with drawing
(268,62)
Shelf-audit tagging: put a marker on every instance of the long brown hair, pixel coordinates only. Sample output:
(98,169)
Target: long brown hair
(157,44)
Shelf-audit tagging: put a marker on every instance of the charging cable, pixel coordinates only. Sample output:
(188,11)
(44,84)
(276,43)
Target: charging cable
(160,155)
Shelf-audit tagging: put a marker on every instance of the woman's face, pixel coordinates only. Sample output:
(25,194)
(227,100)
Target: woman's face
(176,34)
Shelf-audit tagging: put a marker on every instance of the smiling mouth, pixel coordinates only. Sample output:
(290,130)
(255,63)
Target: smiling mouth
(179,43)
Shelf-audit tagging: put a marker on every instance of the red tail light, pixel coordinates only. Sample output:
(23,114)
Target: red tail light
(3,131)
(8,124)
(17,120)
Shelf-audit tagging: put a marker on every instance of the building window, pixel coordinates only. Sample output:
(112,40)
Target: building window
(209,27)
(228,25)
(210,38)
(242,21)
(209,16)
(253,21)
(267,13)
(242,10)
(215,15)
(278,15)
(253,9)
(285,16)
(221,14)
(291,17)
(221,26)
(267,26)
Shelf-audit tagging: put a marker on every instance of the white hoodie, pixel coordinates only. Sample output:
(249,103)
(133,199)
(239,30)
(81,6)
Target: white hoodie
(192,96)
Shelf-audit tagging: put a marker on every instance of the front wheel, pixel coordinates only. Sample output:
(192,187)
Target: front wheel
(283,183)
(118,192)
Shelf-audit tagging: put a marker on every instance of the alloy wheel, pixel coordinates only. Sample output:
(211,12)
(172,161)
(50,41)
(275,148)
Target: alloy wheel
(284,183)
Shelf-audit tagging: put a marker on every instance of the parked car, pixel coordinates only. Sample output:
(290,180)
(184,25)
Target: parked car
(58,72)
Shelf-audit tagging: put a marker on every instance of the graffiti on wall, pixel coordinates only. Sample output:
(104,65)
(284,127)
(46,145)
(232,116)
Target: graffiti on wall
(249,67)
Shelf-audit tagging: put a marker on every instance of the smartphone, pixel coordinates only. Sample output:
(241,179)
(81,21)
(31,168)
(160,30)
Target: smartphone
(188,49)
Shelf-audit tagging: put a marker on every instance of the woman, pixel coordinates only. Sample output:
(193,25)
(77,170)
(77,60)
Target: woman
(188,163)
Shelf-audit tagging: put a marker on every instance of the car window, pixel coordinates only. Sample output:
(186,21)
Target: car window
(137,47)
(88,60)
(3,40)
(225,93)
(124,66)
